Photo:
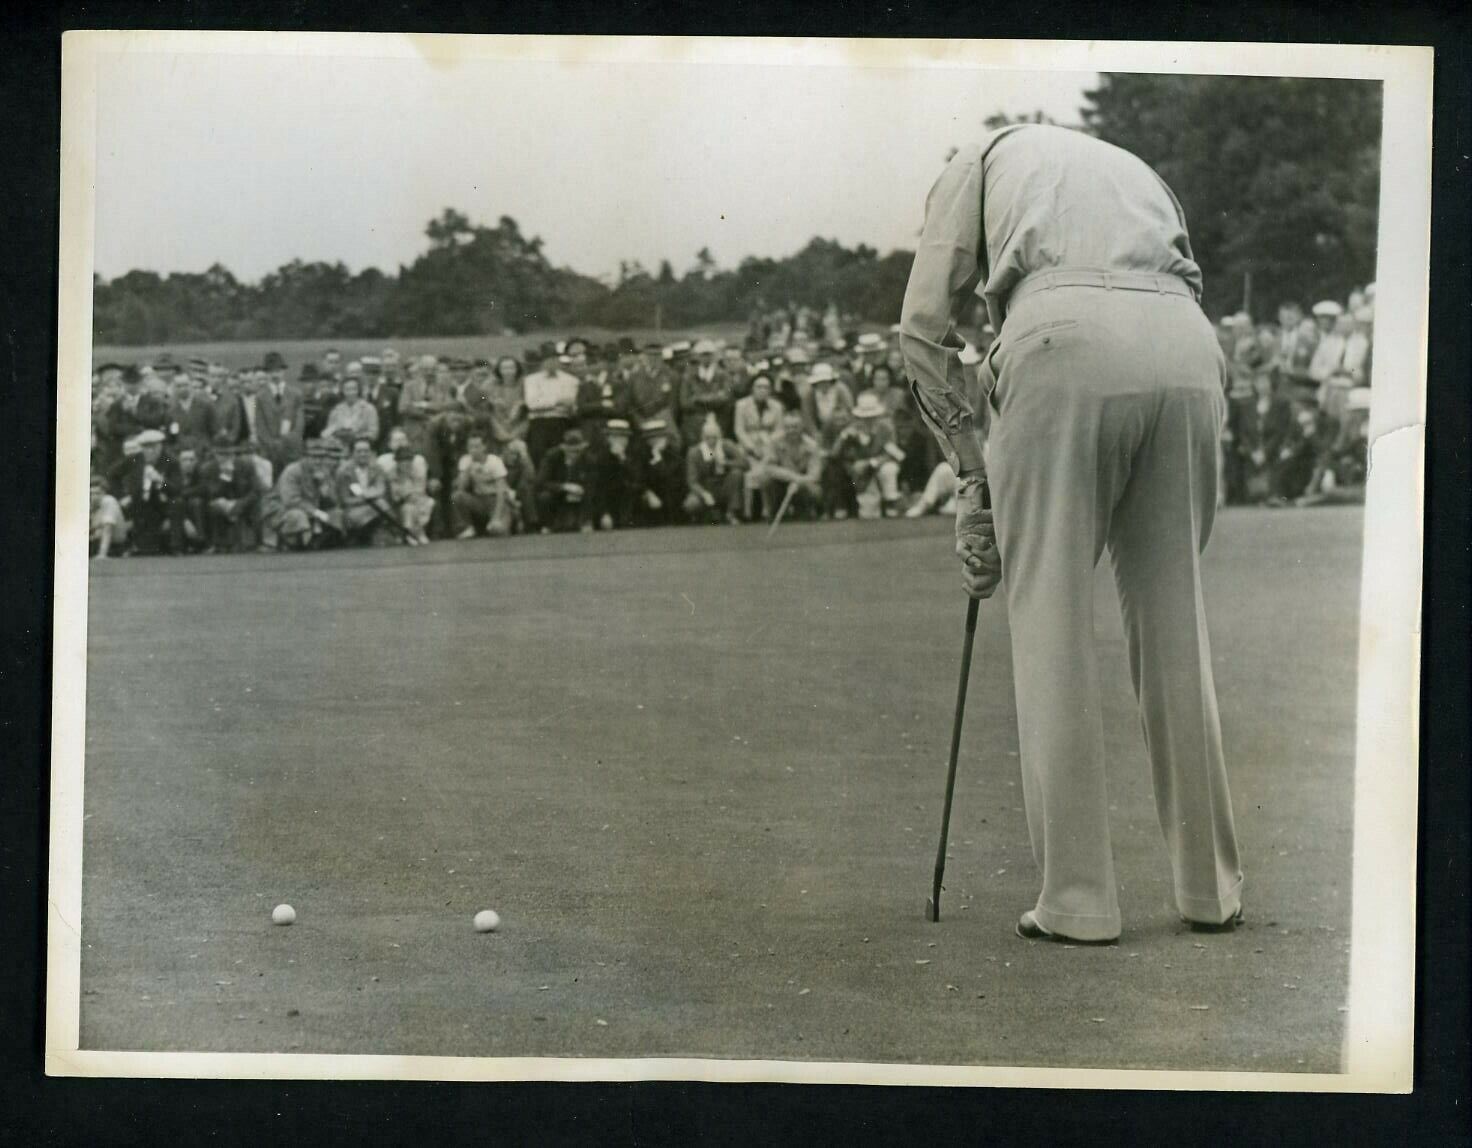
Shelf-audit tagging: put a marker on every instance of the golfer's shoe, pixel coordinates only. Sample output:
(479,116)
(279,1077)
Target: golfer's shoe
(1029,930)
(1230,925)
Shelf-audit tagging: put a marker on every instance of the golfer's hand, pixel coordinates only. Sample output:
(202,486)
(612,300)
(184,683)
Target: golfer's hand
(976,543)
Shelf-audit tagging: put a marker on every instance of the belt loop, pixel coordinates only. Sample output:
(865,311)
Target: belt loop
(1108,284)
(1160,284)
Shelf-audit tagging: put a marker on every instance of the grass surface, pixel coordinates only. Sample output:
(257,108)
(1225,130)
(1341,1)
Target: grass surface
(700,778)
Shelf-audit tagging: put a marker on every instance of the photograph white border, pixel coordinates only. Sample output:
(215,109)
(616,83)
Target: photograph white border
(1378,1045)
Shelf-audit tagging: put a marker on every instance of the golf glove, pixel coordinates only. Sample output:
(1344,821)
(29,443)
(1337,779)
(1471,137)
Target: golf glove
(976,540)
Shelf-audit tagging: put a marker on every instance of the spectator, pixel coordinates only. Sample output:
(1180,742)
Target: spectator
(109,528)
(147,485)
(417,404)
(506,421)
(705,390)
(188,509)
(865,455)
(828,404)
(302,511)
(408,480)
(939,494)
(652,390)
(793,462)
(551,404)
(382,391)
(1290,319)
(481,497)
(192,418)
(757,418)
(133,412)
(1303,455)
(713,476)
(282,427)
(362,493)
(354,417)
(1260,428)
(1357,346)
(617,473)
(657,475)
(1329,352)
(603,394)
(567,486)
(232,490)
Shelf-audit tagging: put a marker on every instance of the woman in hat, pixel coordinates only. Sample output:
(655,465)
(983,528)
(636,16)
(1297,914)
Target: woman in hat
(828,403)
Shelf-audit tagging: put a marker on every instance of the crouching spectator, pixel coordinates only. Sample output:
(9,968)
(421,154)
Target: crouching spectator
(1304,455)
(657,476)
(481,497)
(567,486)
(407,475)
(713,477)
(109,529)
(302,511)
(362,493)
(865,455)
(758,419)
(232,491)
(188,511)
(147,484)
(794,464)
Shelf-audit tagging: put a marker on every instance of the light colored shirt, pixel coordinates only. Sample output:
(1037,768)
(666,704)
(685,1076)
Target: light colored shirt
(551,394)
(481,477)
(1027,198)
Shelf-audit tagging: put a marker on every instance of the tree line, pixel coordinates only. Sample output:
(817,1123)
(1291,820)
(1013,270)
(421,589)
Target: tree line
(1279,179)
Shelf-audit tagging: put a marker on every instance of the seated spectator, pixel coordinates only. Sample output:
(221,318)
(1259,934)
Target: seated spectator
(551,405)
(616,475)
(108,528)
(302,511)
(423,396)
(939,495)
(362,494)
(567,486)
(408,485)
(865,455)
(713,476)
(793,463)
(147,485)
(232,489)
(1329,352)
(481,496)
(656,476)
(134,411)
(354,417)
(381,390)
(757,418)
(827,405)
(705,390)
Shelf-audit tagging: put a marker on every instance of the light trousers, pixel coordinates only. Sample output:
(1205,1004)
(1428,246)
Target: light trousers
(1105,415)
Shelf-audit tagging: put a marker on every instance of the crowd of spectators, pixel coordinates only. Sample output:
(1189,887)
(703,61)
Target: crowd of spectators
(1298,402)
(804,419)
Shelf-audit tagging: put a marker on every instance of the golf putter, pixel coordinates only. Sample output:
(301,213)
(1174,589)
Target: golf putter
(932,906)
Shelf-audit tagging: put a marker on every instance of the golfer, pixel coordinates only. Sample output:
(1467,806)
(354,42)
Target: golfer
(1094,417)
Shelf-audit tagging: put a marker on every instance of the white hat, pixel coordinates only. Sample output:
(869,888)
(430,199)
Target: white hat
(869,341)
(149,438)
(1358,399)
(704,347)
(869,406)
(822,373)
(1369,290)
(1328,308)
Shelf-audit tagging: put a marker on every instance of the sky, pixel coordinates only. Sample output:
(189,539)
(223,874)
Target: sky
(252,160)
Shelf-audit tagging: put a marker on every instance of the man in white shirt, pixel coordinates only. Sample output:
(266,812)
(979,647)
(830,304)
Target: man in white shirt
(551,396)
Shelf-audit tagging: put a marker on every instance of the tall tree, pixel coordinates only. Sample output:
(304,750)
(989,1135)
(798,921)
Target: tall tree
(1279,178)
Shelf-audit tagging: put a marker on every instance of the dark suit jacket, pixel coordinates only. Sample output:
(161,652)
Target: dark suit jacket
(271,412)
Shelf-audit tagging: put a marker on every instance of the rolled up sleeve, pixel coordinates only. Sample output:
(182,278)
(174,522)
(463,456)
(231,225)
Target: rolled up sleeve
(947,266)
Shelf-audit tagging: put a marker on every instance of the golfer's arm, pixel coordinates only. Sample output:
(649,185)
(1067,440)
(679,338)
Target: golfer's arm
(946,269)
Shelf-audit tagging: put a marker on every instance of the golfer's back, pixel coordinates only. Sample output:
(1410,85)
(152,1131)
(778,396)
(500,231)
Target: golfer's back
(1057,198)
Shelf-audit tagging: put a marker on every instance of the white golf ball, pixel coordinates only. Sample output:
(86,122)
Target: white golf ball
(283,915)
(486,921)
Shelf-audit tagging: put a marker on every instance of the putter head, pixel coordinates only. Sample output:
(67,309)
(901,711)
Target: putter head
(932,909)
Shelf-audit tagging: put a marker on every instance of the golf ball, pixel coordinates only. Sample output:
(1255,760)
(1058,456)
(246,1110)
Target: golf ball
(486,921)
(283,915)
